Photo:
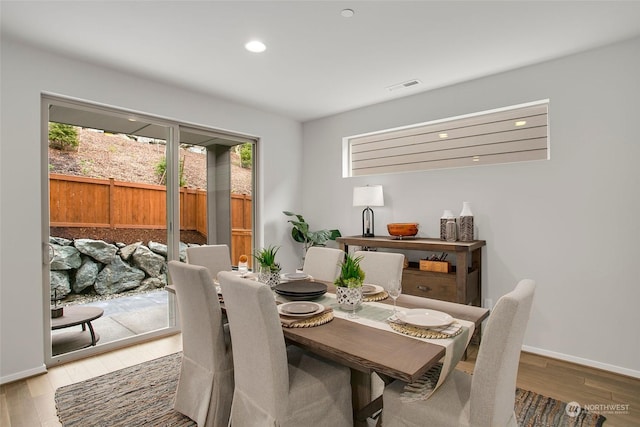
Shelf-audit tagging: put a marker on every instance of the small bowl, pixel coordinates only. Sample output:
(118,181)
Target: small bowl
(403,229)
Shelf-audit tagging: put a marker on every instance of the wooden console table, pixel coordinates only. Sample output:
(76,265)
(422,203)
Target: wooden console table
(463,285)
(73,340)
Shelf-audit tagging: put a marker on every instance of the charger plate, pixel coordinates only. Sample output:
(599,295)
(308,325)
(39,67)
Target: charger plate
(416,331)
(310,322)
(376,297)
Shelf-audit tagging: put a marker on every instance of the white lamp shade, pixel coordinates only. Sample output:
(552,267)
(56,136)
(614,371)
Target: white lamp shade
(371,195)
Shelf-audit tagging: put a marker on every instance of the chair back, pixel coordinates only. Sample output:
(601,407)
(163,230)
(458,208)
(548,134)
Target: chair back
(323,263)
(215,257)
(206,378)
(259,351)
(494,377)
(381,267)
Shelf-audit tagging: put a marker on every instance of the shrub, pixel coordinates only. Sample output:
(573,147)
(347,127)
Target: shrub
(246,151)
(63,137)
(161,171)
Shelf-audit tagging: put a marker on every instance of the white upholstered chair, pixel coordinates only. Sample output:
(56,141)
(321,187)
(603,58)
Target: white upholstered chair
(323,263)
(215,257)
(205,387)
(381,267)
(486,398)
(275,384)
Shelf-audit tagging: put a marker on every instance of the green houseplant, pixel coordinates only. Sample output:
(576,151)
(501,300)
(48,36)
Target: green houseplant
(349,284)
(301,232)
(269,269)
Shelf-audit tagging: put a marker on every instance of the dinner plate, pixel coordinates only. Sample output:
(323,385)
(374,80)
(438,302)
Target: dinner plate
(424,317)
(368,289)
(300,309)
(295,276)
(301,287)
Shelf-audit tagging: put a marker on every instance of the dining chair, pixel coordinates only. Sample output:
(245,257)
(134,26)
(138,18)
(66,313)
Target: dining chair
(323,263)
(381,267)
(276,384)
(205,386)
(485,398)
(215,257)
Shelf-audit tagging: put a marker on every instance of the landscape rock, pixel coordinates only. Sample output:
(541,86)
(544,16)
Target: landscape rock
(127,251)
(60,241)
(151,283)
(159,248)
(148,261)
(97,249)
(86,274)
(118,277)
(65,258)
(60,286)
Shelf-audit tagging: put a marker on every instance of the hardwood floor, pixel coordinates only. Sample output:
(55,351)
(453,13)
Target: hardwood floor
(30,402)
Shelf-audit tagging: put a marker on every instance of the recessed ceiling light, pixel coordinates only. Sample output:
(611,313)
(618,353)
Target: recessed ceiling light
(347,13)
(521,123)
(476,158)
(255,46)
(443,135)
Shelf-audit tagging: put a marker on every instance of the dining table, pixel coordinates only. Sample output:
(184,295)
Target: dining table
(366,350)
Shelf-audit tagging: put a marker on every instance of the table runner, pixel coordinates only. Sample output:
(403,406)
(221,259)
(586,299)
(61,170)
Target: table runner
(375,315)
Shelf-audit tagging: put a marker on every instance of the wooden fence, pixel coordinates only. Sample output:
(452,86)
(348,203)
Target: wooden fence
(76,201)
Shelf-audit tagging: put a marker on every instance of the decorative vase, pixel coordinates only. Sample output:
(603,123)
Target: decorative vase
(443,224)
(268,276)
(349,298)
(466,223)
(451,230)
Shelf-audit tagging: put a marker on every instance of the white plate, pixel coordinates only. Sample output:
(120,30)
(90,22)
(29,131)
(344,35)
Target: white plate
(368,289)
(300,309)
(295,276)
(424,317)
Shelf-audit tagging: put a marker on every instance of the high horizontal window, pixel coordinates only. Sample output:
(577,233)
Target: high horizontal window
(512,134)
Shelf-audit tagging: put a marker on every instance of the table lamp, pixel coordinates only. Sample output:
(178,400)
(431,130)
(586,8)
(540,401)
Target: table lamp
(368,196)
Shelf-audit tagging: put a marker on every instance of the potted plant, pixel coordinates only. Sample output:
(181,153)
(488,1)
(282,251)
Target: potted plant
(303,234)
(349,284)
(269,269)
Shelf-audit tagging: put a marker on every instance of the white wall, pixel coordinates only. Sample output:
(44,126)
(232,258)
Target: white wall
(26,72)
(569,223)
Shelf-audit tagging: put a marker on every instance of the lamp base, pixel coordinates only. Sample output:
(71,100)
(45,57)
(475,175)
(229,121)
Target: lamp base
(368,235)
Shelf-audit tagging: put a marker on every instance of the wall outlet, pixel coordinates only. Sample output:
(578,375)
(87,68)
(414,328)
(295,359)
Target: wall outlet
(488,303)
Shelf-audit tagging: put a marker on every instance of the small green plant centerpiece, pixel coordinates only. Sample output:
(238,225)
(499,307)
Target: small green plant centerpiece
(269,269)
(349,284)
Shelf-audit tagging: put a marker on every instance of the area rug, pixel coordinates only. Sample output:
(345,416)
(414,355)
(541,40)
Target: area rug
(142,395)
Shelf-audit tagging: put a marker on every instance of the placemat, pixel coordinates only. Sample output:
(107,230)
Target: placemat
(416,331)
(376,297)
(308,322)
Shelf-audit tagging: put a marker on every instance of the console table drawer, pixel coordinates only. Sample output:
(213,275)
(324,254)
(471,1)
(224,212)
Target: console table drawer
(427,284)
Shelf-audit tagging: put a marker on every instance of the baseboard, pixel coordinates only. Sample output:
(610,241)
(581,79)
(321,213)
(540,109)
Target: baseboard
(581,361)
(24,374)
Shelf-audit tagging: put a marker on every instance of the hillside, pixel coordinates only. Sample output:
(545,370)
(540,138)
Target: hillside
(103,155)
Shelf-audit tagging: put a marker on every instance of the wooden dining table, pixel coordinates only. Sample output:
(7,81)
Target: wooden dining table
(366,350)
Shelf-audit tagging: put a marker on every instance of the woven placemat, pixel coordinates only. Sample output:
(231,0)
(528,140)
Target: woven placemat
(310,322)
(376,297)
(416,331)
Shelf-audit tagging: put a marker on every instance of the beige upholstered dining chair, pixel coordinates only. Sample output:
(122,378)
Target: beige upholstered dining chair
(205,386)
(381,267)
(323,263)
(275,384)
(215,257)
(485,398)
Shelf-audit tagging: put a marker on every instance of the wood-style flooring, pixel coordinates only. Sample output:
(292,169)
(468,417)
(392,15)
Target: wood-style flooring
(30,402)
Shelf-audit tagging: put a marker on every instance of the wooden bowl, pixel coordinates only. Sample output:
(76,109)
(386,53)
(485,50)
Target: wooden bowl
(403,229)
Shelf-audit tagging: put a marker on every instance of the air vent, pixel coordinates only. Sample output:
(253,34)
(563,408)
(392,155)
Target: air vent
(403,85)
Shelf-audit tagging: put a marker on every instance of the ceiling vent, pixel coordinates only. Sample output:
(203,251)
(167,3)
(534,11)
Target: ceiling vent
(404,85)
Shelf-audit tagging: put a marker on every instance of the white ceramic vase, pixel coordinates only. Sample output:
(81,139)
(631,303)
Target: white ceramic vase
(349,298)
(466,223)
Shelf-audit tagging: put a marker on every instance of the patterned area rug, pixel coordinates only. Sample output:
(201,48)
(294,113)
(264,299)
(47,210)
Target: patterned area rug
(142,395)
